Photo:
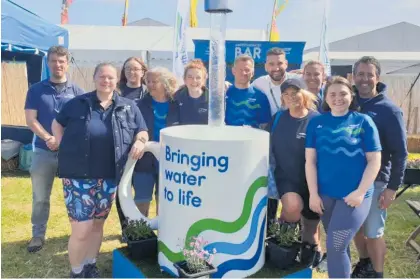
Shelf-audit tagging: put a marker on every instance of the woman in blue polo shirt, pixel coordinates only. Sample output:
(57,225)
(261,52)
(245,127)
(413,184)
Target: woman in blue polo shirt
(193,97)
(160,110)
(288,134)
(132,83)
(343,158)
(97,132)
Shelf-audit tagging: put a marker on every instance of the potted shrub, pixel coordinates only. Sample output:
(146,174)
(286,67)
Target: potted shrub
(283,245)
(141,239)
(412,172)
(198,261)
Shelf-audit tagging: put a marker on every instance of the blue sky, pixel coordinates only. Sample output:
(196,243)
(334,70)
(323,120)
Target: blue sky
(300,21)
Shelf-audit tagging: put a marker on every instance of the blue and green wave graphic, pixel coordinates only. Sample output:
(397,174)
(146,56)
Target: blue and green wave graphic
(228,227)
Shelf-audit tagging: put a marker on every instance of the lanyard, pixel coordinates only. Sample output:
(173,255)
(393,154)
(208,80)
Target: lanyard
(272,96)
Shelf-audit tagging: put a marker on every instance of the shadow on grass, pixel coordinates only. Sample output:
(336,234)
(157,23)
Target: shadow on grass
(50,262)
(16,173)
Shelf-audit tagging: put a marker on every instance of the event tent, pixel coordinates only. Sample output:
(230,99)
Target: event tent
(26,37)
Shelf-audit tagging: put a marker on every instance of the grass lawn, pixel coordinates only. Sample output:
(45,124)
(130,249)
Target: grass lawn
(52,261)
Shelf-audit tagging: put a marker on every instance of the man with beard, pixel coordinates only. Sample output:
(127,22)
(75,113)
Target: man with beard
(43,101)
(371,95)
(275,66)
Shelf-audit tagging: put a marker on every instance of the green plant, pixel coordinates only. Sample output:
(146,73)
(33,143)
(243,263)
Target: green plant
(284,234)
(138,230)
(413,164)
(196,257)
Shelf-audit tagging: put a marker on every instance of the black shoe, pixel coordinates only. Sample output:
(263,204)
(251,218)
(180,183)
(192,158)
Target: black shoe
(363,270)
(35,244)
(91,271)
(309,255)
(77,275)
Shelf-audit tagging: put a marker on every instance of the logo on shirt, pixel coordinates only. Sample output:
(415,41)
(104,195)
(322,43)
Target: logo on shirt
(301,135)
(252,99)
(371,114)
(202,110)
(319,127)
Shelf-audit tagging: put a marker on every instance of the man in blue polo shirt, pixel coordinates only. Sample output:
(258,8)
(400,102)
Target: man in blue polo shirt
(245,104)
(43,101)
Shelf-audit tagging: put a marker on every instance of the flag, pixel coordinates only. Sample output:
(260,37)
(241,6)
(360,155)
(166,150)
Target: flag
(180,56)
(279,6)
(324,45)
(65,11)
(124,18)
(193,13)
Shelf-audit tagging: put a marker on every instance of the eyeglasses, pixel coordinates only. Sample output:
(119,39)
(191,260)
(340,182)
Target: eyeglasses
(128,69)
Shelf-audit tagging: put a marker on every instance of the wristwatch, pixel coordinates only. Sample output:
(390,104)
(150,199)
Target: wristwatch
(143,140)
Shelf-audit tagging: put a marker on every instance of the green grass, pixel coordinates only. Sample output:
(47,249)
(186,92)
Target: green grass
(52,261)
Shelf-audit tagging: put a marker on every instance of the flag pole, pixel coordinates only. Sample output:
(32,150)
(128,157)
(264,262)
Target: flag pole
(124,23)
(272,18)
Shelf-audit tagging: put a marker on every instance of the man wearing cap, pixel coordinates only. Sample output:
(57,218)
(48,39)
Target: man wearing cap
(275,66)
(246,105)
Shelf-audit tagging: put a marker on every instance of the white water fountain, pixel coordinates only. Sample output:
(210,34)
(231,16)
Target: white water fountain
(212,179)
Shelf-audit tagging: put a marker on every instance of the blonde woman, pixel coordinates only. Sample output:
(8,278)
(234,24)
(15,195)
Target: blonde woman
(287,143)
(159,110)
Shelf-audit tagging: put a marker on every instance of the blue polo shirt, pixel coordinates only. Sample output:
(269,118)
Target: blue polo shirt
(341,143)
(48,99)
(160,111)
(248,106)
(192,111)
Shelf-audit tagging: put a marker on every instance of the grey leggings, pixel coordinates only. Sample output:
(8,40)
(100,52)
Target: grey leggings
(341,223)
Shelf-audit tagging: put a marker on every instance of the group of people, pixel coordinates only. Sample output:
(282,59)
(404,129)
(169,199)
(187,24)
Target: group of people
(338,151)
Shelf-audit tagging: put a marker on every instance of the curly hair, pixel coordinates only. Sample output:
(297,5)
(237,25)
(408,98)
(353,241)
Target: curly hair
(167,78)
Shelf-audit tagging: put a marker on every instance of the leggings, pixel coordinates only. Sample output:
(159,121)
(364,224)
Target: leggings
(341,223)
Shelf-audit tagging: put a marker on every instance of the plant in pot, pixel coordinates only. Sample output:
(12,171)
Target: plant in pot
(283,245)
(141,239)
(198,261)
(412,172)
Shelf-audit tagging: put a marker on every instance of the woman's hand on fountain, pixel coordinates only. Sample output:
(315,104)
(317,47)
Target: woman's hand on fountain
(137,150)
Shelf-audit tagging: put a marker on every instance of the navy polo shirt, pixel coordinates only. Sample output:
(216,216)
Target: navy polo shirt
(135,94)
(101,149)
(192,111)
(90,148)
(47,101)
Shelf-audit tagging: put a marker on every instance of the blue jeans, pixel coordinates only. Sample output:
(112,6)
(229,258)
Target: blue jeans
(43,171)
(341,223)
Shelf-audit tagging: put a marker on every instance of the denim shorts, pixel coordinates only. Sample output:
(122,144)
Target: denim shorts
(88,199)
(144,183)
(374,226)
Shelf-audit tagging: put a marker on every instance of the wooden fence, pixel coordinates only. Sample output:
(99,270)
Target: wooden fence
(14,85)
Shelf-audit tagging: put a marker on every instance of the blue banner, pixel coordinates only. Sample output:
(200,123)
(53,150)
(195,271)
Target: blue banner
(257,50)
